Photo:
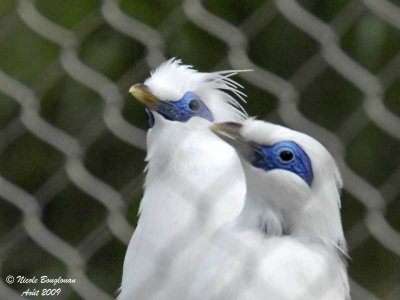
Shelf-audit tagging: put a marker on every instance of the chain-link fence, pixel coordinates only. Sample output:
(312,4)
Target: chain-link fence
(72,142)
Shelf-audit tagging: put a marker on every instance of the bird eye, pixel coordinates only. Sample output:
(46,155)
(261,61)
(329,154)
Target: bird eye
(194,105)
(286,156)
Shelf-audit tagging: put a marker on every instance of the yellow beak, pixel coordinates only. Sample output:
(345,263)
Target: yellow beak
(142,93)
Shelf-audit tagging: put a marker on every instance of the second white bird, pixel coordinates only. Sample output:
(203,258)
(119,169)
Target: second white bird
(288,242)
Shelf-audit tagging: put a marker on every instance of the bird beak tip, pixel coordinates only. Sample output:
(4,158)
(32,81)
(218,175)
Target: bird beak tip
(142,93)
(132,90)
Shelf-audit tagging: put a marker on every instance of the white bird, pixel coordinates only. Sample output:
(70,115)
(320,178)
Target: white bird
(194,180)
(288,242)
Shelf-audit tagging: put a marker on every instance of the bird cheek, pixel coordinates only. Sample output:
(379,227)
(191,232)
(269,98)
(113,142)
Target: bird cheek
(158,118)
(290,182)
(208,115)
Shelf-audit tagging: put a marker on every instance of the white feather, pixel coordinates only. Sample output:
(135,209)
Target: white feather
(194,184)
(243,266)
(287,242)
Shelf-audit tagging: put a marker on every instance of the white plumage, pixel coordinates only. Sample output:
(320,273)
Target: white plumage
(194,180)
(288,242)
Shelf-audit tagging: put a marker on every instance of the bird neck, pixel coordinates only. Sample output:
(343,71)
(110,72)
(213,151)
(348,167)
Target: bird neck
(319,221)
(259,216)
(315,219)
(190,173)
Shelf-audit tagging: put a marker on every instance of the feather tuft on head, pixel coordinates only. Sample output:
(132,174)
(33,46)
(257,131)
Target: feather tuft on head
(172,79)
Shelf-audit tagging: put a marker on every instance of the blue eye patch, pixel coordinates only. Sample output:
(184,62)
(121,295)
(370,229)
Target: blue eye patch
(286,155)
(190,105)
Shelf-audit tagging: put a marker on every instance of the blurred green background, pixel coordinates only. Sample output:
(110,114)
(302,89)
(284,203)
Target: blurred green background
(277,45)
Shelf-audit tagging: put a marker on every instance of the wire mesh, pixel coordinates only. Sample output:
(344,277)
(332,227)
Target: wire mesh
(72,148)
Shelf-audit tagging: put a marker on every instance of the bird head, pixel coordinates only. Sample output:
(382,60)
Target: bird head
(292,173)
(177,93)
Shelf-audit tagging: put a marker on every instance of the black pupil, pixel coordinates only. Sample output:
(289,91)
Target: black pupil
(194,105)
(286,155)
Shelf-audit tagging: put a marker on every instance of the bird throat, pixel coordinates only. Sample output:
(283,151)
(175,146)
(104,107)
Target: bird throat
(150,117)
